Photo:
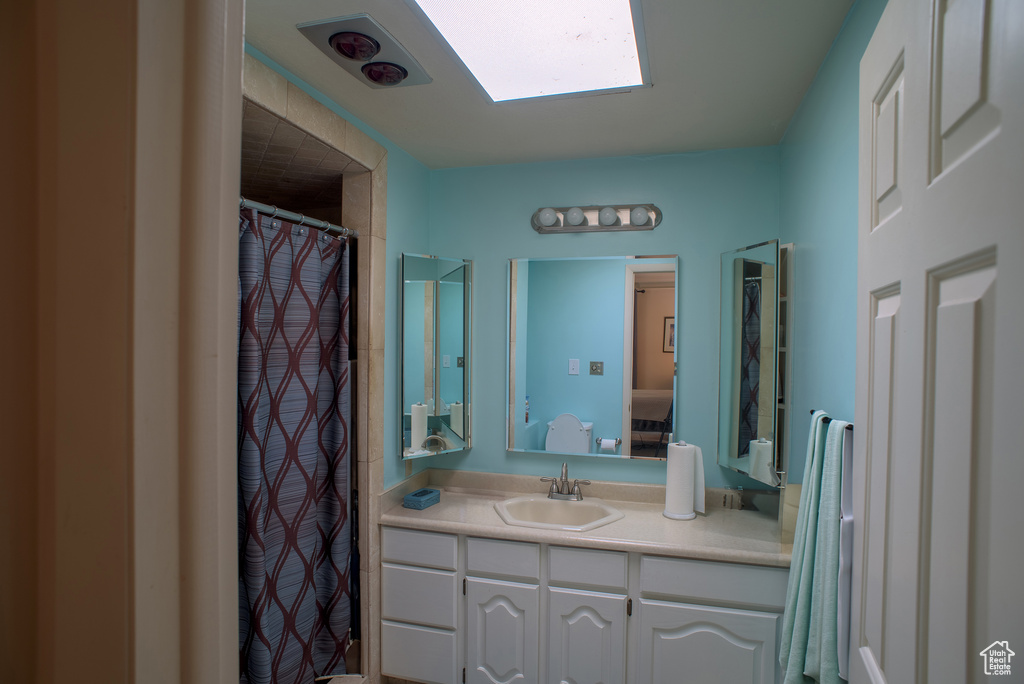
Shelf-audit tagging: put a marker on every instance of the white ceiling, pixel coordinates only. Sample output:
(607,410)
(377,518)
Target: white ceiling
(725,73)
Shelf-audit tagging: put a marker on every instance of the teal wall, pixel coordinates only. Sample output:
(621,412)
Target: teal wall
(588,330)
(818,157)
(712,202)
(803,191)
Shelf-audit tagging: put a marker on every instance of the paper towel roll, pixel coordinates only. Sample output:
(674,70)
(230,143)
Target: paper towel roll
(684,481)
(762,462)
(607,444)
(419,425)
(457,418)
(679,481)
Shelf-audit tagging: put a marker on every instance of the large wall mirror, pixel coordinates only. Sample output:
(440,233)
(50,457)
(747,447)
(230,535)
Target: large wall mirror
(436,322)
(747,396)
(591,355)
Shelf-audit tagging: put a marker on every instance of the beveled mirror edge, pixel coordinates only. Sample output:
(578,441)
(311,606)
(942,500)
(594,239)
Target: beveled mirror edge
(511,337)
(467,355)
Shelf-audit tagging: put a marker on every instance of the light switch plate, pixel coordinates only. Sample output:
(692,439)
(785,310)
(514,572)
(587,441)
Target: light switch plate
(446,361)
(574,366)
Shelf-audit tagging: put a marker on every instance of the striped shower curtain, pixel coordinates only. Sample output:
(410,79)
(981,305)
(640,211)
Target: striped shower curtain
(750,364)
(293,452)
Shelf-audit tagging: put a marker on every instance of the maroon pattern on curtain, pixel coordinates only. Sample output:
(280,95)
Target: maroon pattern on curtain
(293,452)
(750,365)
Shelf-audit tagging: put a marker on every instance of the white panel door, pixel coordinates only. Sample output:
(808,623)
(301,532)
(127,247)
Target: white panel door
(502,639)
(586,637)
(683,643)
(940,377)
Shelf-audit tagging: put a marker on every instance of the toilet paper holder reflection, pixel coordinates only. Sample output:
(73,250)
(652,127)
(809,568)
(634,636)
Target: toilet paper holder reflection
(618,441)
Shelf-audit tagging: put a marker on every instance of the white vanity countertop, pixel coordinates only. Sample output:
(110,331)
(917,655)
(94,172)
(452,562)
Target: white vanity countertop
(733,536)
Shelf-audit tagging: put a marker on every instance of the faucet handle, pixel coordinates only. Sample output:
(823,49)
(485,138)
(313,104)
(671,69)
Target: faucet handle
(576,488)
(553,489)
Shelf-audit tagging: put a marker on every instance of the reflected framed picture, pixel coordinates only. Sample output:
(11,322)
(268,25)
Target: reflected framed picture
(669,340)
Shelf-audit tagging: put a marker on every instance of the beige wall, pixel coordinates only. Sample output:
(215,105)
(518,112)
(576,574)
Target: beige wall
(18,356)
(118,530)
(119,266)
(653,367)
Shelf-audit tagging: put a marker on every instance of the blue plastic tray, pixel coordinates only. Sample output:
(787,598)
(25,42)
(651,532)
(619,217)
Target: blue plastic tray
(421,498)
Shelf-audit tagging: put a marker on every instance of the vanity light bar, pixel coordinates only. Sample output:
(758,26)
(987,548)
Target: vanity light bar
(596,219)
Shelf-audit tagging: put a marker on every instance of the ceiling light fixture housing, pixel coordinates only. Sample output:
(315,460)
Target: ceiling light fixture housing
(365,49)
(537,48)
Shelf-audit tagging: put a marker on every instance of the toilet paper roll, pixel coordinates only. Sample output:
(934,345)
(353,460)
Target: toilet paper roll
(457,418)
(419,425)
(607,444)
(684,482)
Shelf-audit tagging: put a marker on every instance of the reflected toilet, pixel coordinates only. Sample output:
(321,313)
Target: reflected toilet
(567,434)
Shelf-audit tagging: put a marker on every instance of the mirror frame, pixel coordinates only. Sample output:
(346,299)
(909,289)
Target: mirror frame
(436,420)
(634,265)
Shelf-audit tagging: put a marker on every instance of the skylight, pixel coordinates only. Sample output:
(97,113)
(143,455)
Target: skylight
(538,48)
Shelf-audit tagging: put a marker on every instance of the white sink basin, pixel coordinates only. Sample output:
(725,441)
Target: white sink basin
(538,510)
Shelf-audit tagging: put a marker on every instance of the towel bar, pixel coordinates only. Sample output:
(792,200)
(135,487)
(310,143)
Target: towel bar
(827,420)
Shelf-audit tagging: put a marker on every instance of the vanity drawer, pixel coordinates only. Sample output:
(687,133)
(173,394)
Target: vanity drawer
(503,558)
(421,595)
(604,569)
(419,653)
(730,583)
(415,547)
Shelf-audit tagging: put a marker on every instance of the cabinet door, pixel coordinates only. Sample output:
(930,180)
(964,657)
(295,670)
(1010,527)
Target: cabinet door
(502,624)
(587,637)
(687,644)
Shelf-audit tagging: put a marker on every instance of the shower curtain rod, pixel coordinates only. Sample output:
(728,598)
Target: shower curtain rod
(270,210)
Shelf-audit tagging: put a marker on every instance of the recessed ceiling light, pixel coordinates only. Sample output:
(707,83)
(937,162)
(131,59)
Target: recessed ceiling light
(538,48)
(385,73)
(352,45)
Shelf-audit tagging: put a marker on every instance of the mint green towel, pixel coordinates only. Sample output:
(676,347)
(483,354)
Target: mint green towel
(809,651)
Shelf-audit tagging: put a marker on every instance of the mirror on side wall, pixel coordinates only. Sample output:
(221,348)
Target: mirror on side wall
(436,305)
(747,397)
(592,339)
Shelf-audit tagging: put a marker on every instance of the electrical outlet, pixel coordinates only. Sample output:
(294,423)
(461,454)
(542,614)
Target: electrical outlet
(574,366)
(597,367)
(460,361)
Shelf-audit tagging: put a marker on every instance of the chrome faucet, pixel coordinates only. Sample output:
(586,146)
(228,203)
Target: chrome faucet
(560,488)
(441,444)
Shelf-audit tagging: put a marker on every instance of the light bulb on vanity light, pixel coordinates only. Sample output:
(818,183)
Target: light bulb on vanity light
(575,217)
(547,217)
(608,216)
(638,216)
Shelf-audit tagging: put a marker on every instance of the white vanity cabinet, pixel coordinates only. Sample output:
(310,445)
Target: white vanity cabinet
(683,638)
(419,606)
(502,611)
(491,611)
